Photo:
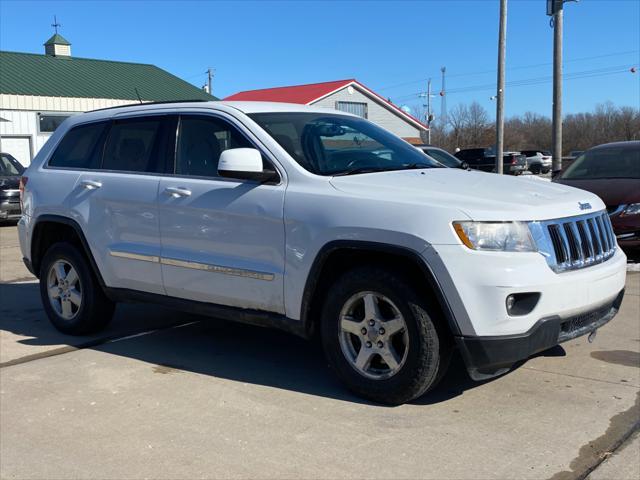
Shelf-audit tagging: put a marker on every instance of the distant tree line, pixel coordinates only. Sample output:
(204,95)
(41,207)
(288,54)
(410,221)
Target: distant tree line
(471,126)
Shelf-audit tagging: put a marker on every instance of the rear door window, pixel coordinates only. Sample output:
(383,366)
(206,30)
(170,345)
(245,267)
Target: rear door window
(134,145)
(81,147)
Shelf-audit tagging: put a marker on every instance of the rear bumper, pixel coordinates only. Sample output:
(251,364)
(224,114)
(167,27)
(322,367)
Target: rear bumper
(486,357)
(9,209)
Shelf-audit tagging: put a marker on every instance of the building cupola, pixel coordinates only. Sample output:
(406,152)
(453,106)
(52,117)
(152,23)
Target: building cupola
(57,45)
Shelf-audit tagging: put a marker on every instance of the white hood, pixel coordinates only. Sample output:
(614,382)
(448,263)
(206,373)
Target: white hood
(481,196)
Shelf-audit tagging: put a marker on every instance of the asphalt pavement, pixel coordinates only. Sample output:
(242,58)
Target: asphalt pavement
(161,394)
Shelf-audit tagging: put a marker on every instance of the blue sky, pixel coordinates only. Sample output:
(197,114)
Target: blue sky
(391,46)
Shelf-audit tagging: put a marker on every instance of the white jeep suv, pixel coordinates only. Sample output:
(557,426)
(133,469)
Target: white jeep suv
(314,221)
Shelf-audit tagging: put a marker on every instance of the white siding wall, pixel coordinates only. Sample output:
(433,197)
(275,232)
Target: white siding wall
(21,113)
(376,112)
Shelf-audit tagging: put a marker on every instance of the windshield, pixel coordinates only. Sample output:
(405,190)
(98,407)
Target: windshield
(327,144)
(9,166)
(605,163)
(443,157)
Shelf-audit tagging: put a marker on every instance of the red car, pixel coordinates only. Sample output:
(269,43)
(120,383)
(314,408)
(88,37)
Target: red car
(612,171)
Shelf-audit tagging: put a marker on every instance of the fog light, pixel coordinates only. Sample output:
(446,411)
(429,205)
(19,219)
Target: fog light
(511,300)
(519,304)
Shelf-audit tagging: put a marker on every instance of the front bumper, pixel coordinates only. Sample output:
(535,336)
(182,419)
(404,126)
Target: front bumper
(486,357)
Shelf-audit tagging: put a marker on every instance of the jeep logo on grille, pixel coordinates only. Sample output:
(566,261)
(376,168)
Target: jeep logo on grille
(584,206)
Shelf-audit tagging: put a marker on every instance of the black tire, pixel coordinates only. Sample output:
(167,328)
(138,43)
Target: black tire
(95,310)
(429,343)
(536,169)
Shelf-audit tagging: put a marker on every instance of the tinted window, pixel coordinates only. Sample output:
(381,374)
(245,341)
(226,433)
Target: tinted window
(328,144)
(9,166)
(132,146)
(605,163)
(81,147)
(201,140)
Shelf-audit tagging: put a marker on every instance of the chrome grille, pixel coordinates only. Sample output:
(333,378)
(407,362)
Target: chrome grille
(575,242)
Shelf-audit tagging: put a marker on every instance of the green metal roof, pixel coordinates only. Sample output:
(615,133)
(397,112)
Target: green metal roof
(46,75)
(57,39)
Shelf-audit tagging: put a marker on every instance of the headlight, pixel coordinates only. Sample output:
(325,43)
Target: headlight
(496,236)
(632,209)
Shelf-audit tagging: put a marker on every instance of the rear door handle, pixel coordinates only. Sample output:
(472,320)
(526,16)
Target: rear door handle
(177,192)
(91,184)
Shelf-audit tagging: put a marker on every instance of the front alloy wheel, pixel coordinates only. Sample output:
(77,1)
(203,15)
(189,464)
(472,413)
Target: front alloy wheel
(384,338)
(373,335)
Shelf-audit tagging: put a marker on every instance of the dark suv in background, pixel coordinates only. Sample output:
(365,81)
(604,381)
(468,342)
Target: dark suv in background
(484,159)
(10,171)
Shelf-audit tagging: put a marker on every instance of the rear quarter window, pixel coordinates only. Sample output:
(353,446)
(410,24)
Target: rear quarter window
(81,147)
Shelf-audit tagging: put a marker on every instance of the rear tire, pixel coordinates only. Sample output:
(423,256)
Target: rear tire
(394,366)
(70,292)
(536,169)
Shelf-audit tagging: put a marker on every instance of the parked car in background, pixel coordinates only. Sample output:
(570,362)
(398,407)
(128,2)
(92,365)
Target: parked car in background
(514,163)
(575,153)
(539,160)
(10,171)
(442,156)
(612,171)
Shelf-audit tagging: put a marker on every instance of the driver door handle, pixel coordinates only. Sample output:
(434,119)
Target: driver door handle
(91,184)
(177,192)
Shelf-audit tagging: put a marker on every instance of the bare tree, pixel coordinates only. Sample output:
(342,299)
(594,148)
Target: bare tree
(470,126)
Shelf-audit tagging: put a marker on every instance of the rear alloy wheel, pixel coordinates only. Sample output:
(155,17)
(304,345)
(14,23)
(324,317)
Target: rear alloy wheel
(385,341)
(70,292)
(64,289)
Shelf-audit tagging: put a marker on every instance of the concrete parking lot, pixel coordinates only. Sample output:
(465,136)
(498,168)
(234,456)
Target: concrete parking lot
(161,394)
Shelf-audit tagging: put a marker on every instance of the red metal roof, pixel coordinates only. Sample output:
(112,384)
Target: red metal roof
(306,94)
(303,94)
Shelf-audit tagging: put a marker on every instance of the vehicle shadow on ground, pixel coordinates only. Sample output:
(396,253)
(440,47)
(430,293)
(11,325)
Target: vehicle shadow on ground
(207,346)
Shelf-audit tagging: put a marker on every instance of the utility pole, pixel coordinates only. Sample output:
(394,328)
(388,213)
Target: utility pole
(502,41)
(443,100)
(555,10)
(429,111)
(429,115)
(210,79)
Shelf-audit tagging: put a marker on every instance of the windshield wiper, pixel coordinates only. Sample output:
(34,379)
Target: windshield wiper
(355,171)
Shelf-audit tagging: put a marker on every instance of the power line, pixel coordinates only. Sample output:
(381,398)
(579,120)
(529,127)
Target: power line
(521,67)
(534,81)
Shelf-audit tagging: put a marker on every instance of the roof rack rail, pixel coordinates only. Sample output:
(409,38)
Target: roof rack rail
(199,100)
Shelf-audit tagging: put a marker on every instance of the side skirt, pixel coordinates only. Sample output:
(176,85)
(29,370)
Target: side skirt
(234,314)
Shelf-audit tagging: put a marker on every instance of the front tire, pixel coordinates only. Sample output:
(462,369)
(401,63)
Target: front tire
(70,293)
(382,339)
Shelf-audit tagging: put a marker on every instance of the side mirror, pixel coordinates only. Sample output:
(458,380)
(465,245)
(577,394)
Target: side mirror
(245,164)
(464,166)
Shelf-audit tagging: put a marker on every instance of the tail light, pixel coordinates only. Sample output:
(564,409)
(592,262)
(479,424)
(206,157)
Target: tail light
(514,160)
(23,184)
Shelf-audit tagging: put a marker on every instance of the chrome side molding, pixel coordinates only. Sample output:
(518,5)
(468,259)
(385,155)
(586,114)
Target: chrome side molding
(237,272)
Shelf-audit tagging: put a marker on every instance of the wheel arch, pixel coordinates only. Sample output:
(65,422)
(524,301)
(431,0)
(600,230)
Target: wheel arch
(49,229)
(338,256)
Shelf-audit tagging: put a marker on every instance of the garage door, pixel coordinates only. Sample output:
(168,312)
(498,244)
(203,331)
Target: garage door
(19,147)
